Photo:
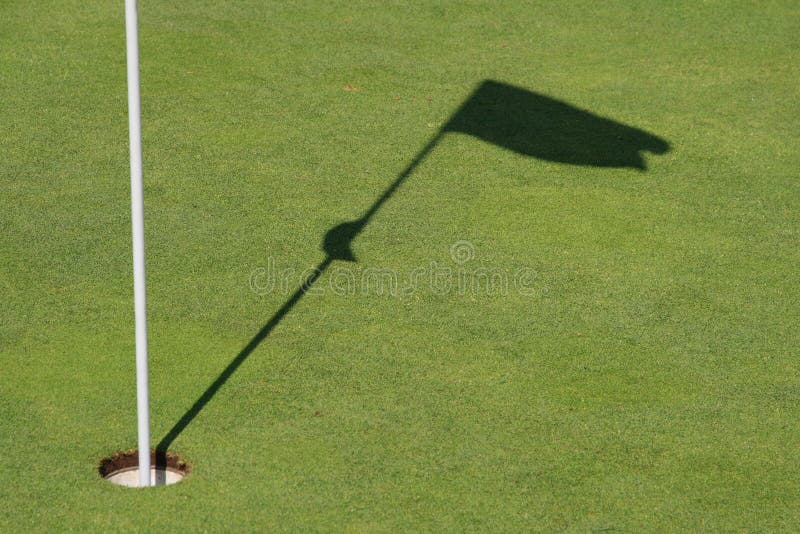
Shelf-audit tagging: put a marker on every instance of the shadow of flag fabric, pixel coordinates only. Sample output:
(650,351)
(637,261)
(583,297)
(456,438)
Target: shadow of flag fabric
(542,127)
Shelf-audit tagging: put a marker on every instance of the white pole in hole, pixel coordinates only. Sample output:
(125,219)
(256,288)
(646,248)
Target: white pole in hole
(137,216)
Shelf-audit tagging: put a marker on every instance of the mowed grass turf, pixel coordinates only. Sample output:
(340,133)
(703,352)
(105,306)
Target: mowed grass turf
(649,380)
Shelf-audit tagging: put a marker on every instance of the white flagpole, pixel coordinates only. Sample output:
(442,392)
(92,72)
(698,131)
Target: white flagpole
(137,216)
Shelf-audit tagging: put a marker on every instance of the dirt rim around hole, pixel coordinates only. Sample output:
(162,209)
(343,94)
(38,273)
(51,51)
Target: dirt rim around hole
(130,458)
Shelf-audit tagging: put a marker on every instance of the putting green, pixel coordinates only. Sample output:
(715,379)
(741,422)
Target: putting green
(576,310)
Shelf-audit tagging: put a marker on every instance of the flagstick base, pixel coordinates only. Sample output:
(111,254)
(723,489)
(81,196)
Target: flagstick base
(122,469)
(158,477)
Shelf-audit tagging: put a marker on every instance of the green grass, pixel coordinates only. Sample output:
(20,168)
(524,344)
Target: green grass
(651,382)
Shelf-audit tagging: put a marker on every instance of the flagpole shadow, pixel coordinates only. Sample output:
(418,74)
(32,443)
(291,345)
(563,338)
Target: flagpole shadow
(337,245)
(516,119)
(254,342)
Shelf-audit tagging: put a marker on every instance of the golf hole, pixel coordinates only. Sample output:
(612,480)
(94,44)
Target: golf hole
(122,468)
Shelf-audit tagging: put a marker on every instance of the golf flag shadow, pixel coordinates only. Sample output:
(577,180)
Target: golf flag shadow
(542,127)
(526,123)
(510,117)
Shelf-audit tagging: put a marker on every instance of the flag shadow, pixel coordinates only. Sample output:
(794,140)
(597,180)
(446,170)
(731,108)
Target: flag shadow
(510,117)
